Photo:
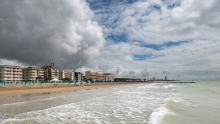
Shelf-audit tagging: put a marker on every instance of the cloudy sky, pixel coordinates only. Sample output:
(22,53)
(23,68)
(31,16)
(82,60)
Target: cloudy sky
(179,39)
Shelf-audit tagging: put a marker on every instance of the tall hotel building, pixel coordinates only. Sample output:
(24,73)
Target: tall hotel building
(78,76)
(32,73)
(10,73)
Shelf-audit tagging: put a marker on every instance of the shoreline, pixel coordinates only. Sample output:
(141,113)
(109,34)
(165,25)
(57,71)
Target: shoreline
(55,88)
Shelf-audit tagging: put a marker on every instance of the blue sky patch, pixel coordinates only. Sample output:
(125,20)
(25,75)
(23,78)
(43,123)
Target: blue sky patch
(157,7)
(141,57)
(117,38)
(172,3)
(167,44)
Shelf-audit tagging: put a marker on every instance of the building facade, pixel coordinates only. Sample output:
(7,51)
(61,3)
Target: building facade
(10,73)
(94,75)
(100,76)
(32,73)
(50,72)
(108,77)
(61,74)
(91,75)
(69,74)
(66,74)
(78,76)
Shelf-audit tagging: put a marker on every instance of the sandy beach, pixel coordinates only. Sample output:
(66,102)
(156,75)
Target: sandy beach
(50,88)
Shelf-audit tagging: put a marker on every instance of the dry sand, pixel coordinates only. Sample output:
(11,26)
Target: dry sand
(13,91)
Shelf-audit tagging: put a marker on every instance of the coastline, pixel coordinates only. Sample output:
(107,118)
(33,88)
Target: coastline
(52,88)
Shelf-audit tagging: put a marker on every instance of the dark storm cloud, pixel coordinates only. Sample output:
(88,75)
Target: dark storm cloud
(44,31)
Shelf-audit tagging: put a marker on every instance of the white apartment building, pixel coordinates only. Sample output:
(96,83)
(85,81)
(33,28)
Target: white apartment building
(61,74)
(66,74)
(51,72)
(32,73)
(10,73)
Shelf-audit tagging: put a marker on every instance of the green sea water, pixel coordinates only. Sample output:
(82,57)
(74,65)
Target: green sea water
(197,103)
(154,103)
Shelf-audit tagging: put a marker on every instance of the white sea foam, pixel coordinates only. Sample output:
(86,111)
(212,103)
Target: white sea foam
(157,115)
(149,86)
(171,86)
(25,102)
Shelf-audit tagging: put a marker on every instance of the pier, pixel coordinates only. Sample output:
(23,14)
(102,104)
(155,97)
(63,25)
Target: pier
(176,82)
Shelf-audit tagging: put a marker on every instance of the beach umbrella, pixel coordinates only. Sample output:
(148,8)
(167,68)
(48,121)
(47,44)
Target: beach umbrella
(10,82)
(76,83)
(54,81)
(17,82)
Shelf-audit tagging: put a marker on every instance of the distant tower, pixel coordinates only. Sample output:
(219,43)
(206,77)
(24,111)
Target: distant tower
(153,78)
(165,78)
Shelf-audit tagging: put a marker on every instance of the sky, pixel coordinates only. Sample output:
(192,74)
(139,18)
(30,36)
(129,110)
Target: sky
(179,39)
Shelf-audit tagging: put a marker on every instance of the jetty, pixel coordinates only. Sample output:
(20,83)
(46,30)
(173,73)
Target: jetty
(175,82)
(182,82)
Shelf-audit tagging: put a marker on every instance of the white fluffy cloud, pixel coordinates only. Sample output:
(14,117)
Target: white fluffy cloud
(68,36)
(40,32)
(153,22)
(158,22)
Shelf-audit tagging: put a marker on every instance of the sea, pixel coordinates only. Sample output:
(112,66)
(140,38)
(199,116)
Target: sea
(146,103)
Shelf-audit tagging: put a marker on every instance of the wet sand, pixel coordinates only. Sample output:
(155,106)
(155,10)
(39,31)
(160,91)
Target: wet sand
(50,88)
